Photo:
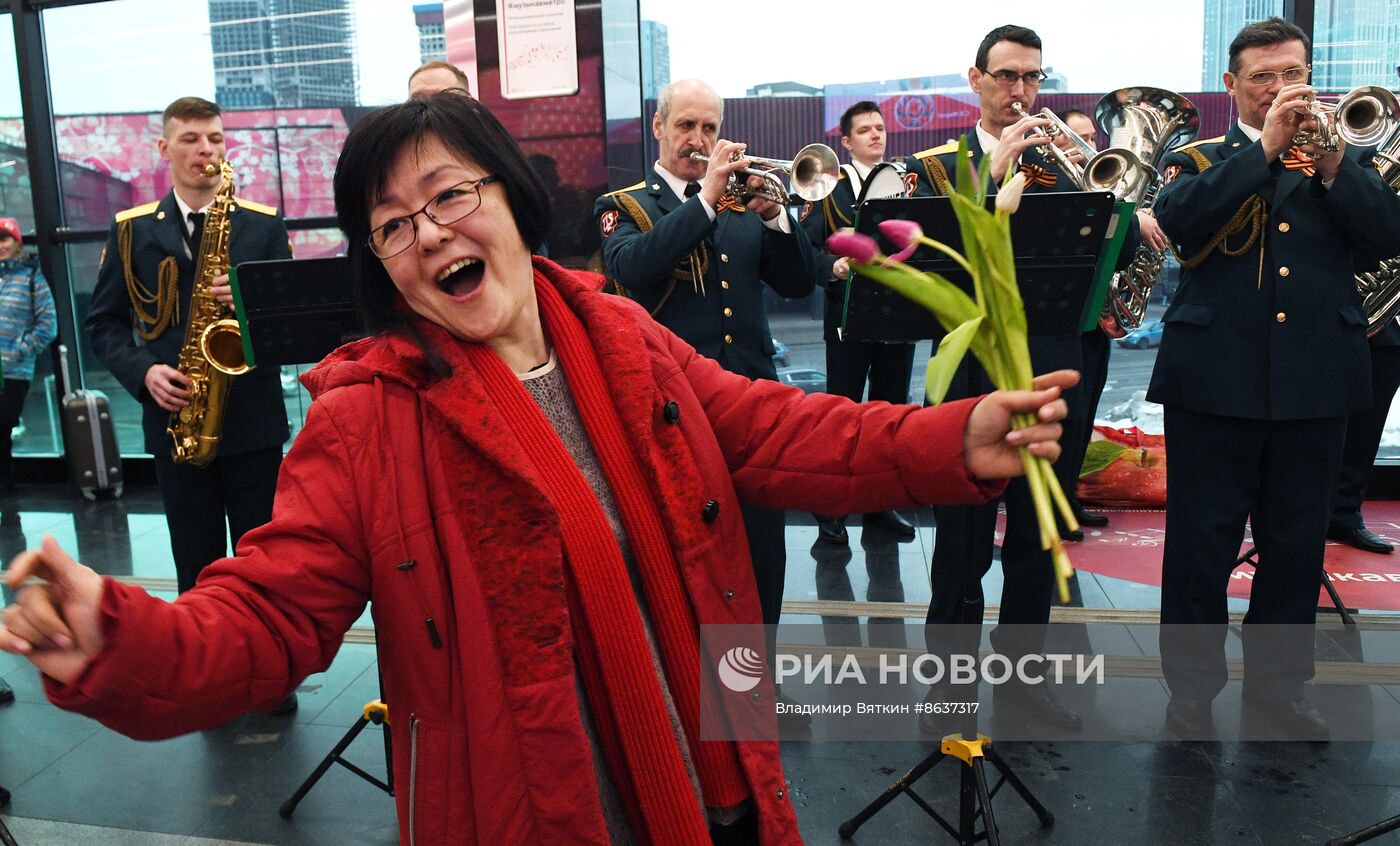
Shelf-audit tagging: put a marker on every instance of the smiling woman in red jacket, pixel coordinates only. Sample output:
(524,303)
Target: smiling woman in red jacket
(537,487)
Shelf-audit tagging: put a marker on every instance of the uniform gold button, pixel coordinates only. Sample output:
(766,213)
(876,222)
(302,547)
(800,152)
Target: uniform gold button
(729,339)
(1283,227)
(724,284)
(1283,271)
(724,257)
(1281,317)
(729,312)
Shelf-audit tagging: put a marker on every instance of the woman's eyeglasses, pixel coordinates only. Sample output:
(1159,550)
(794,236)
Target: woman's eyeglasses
(394,236)
(1007,78)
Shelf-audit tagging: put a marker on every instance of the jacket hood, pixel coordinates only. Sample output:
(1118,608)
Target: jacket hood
(396,357)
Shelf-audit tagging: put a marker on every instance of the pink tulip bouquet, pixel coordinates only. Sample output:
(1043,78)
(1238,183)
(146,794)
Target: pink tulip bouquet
(992,326)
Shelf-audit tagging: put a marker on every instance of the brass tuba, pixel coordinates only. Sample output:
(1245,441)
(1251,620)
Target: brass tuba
(213,350)
(1142,124)
(812,175)
(1369,116)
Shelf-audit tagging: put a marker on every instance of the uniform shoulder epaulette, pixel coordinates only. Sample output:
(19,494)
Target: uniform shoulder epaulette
(940,150)
(139,211)
(1194,144)
(629,189)
(257,207)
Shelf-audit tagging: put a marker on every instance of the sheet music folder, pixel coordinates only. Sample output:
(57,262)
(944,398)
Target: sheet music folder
(294,311)
(1057,239)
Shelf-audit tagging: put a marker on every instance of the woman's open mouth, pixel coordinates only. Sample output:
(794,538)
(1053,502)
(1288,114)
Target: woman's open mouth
(462,277)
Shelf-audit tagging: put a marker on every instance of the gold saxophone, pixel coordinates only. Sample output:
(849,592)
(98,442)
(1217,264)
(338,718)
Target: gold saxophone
(213,350)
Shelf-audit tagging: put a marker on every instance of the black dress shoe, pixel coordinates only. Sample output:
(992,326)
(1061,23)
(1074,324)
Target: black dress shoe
(1089,518)
(1294,719)
(890,523)
(7,693)
(832,530)
(788,718)
(1076,535)
(1189,718)
(1361,538)
(288,705)
(1038,701)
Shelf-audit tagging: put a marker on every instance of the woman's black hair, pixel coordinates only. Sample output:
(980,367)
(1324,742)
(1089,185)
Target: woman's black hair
(372,149)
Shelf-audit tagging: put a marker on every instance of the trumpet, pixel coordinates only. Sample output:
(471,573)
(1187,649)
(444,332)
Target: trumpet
(1323,135)
(812,175)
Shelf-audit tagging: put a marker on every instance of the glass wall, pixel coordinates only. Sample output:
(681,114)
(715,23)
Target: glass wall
(291,76)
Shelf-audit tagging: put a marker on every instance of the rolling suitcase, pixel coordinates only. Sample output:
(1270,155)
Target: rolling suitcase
(94,464)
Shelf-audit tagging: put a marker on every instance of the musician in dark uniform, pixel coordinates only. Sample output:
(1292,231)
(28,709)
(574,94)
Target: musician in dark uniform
(1007,70)
(1263,356)
(697,258)
(850,363)
(1364,430)
(144,284)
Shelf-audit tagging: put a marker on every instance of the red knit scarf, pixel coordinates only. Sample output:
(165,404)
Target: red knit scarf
(619,677)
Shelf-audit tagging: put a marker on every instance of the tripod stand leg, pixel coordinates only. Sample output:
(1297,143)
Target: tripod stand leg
(849,827)
(1337,601)
(977,774)
(1047,819)
(291,804)
(1370,832)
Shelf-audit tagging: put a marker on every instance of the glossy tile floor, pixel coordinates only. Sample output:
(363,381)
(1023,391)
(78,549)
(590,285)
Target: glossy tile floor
(74,782)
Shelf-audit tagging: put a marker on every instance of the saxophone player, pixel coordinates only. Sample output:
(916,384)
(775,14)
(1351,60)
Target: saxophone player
(145,281)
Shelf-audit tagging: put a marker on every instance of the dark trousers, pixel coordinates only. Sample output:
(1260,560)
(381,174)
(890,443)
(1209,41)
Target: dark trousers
(1364,438)
(965,536)
(887,366)
(11,404)
(1094,346)
(1279,475)
(203,505)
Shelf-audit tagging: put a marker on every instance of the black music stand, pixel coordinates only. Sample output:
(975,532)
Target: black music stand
(375,712)
(1058,241)
(294,311)
(1251,556)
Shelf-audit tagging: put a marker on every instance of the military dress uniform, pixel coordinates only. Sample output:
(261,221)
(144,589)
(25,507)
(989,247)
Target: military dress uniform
(703,280)
(236,488)
(849,363)
(963,543)
(1263,356)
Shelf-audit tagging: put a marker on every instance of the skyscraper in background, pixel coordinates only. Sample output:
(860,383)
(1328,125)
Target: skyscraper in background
(1223,19)
(432,38)
(283,53)
(656,59)
(1354,43)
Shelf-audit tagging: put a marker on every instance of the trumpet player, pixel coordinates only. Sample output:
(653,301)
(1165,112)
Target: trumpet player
(1006,73)
(697,256)
(1263,357)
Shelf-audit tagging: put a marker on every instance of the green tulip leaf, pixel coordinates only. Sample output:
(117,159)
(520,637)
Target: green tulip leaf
(951,351)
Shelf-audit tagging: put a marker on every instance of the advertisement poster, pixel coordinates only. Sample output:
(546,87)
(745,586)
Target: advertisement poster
(538,48)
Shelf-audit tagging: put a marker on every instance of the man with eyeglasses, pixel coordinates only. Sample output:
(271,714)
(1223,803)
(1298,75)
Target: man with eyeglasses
(697,258)
(1007,70)
(137,321)
(1263,356)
